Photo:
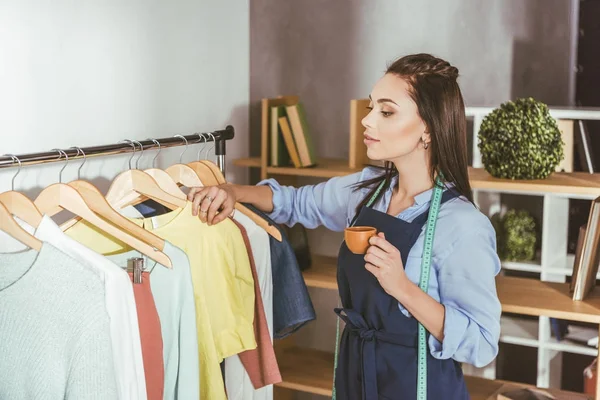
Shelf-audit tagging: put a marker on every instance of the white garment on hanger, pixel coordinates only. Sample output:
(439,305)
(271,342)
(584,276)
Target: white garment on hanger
(237,381)
(120,305)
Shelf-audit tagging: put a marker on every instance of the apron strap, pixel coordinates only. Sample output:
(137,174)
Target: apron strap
(371,200)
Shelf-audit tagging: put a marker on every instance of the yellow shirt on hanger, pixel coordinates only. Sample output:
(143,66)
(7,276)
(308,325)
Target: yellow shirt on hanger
(222,280)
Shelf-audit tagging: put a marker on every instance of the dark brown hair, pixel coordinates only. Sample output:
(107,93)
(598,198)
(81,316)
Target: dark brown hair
(439,101)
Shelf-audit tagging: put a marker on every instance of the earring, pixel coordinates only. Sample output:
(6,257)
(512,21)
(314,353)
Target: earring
(425,144)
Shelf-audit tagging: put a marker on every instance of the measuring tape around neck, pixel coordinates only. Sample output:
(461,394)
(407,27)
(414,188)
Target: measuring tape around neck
(423,285)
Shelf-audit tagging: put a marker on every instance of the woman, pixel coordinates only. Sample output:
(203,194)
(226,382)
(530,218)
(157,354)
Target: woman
(417,126)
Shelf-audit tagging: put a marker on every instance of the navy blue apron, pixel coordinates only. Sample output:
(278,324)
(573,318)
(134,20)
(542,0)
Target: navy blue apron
(378,355)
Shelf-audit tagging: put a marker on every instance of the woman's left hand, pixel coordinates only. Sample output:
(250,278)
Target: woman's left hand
(384,261)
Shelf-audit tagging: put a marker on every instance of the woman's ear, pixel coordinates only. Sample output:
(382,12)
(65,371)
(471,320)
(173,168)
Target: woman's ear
(426,138)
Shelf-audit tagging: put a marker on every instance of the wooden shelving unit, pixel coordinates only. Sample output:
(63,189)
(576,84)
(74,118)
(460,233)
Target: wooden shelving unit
(572,184)
(517,295)
(311,371)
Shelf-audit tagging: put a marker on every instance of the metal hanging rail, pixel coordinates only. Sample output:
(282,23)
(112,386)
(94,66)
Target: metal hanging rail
(219,137)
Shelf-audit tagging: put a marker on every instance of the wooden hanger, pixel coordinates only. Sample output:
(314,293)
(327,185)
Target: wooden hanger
(18,204)
(219,179)
(130,187)
(166,182)
(163,179)
(97,203)
(183,174)
(10,226)
(60,196)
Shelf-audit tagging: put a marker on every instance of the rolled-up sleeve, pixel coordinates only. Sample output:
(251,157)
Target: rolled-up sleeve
(467,288)
(313,205)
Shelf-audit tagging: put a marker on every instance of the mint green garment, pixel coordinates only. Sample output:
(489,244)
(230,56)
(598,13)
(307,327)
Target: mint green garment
(174,298)
(54,329)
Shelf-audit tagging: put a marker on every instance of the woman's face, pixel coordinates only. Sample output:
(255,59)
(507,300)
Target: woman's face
(393,127)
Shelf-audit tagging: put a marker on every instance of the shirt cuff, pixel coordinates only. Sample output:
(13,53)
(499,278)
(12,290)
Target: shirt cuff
(455,326)
(278,199)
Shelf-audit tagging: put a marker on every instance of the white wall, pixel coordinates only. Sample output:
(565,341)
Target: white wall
(80,73)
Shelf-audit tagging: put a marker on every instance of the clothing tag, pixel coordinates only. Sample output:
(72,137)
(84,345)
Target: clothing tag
(154,221)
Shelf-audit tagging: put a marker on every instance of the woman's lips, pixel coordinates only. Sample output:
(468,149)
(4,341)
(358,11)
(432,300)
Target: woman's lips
(369,140)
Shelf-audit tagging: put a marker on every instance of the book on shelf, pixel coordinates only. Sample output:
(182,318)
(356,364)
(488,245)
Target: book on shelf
(588,257)
(279,154)
(302,134)
(286,131)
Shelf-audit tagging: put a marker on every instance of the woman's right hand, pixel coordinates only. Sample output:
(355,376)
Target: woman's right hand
(212,203)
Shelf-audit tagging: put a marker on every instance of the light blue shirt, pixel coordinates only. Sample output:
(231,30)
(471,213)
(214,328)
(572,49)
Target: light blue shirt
(464,259)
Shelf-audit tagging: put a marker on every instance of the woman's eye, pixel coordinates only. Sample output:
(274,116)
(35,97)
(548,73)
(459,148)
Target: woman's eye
(370,108)
(386,113)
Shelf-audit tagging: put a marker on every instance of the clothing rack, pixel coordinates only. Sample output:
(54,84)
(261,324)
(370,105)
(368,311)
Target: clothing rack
(219,137)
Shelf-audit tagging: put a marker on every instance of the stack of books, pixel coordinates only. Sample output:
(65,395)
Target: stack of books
(291,142)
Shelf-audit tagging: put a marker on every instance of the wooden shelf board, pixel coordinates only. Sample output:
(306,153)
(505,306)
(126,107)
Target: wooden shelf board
(322,273)
(252,162)
(574,183)
(534,297)
(517,295)
(326,168)
(311,371)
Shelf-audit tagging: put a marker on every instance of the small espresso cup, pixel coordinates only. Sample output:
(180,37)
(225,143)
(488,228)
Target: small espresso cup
(357,238)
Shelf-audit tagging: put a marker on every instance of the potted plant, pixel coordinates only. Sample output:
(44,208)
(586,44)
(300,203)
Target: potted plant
(520,140)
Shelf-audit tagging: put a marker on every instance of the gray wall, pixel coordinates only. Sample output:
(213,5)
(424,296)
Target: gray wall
(330,51)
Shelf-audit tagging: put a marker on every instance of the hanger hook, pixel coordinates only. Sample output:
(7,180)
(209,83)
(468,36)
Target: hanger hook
(200,137)
(184,150)
(80,151)
(156,142)
(129,142)
(213,146)
(14,158)
(60,154)
(137,163)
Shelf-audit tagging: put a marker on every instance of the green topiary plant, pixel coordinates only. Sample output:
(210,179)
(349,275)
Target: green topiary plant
(520,140)
(516,235)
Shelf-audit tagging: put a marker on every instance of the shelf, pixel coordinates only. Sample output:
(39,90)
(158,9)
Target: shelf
(322,273)
(573,184)
(252,162)
(311,371)
(325,168)
(517,295)
(534,297)
(519,331)
(525,266)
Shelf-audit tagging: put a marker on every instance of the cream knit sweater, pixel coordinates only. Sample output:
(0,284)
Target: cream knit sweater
(54,329)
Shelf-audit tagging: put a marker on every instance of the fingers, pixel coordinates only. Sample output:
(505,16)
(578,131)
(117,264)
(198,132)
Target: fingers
(226,211)
(376,253)
(215,205)
(383,244)
(206,202)
(372,269)
(196,196)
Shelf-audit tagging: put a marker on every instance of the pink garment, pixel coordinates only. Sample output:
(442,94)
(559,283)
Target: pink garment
(260,363)
(151,338)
